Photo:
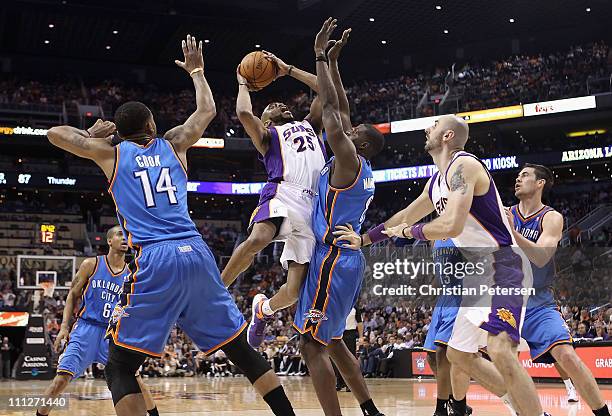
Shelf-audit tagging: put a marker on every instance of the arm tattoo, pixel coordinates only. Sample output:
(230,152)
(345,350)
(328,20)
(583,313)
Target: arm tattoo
(458,181)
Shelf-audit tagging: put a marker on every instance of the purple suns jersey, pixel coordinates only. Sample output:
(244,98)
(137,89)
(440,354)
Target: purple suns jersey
(530,227)
(149,187)
(295,155)
(486,225)
(341,206)
(101,292)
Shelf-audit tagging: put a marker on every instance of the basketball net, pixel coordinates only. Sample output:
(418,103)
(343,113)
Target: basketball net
(48,288)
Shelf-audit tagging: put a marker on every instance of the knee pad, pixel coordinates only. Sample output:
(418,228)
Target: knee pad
(120,371)
(251,362)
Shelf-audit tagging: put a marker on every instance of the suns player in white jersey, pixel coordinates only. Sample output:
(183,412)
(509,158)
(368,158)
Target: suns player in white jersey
(293,155)
(471,214)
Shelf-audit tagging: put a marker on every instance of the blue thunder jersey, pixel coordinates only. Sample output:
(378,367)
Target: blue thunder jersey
(531,227)
(149,187)
(447,259)
(101,292)
(341,206)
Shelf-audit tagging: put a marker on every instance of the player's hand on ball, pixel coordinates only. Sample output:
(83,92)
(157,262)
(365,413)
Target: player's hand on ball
(62,335)
(323,36)
(402,230)
(101,129)
(337,45)
(283,68)
(192,52)
(346,233)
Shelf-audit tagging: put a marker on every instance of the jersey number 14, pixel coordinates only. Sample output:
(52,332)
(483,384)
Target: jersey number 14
(163,185)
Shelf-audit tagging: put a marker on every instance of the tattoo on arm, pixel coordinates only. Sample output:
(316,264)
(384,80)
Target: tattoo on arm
(457,182)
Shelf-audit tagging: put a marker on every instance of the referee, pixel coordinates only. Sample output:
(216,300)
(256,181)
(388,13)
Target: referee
(353,331)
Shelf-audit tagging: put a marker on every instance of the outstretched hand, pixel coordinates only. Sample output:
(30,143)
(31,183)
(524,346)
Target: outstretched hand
(324,34)
(337,45)
(192,52)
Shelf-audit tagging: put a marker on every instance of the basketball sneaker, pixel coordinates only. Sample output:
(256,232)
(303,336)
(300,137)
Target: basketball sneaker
(255,336)
(572,395)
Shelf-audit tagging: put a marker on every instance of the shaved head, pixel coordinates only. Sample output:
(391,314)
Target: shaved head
(449,131)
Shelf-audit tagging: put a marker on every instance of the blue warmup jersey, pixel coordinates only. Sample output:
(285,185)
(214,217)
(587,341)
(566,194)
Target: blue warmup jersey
(335,273)
(174,278)
(341,206)
(149,187)
(86,342)
(445,257)
(543,327)
(101,292)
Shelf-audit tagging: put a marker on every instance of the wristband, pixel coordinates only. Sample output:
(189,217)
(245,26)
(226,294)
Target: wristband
(417,232)
(242,83)
(376,234)
(321,58)
(404,232)
(361,240)
(290,69)
(196,70)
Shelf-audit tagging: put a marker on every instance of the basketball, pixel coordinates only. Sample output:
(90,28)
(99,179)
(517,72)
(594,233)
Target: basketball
(258,71)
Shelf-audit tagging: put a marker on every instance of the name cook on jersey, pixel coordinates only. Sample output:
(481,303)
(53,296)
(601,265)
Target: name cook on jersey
(429,290)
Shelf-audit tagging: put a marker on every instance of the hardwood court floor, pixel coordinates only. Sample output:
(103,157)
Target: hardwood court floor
(234,396)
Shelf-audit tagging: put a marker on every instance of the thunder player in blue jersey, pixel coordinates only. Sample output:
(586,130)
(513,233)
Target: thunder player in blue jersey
(331,288)
(445,253)
(174,277)
(98,284)
(537,230)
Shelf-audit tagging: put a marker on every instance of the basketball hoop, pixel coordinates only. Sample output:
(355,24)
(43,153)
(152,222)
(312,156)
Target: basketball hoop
(48,288)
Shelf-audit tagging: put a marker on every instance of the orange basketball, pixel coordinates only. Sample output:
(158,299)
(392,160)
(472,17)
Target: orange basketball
(258,71)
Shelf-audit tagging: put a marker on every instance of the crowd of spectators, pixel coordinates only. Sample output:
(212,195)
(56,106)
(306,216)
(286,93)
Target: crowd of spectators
(512,80)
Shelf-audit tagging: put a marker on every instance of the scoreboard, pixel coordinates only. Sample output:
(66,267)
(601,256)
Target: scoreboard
(48,233)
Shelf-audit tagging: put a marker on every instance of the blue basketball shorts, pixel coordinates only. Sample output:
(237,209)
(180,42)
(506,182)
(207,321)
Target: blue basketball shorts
(329,292)
(174,281)
(86,345)
(543,329)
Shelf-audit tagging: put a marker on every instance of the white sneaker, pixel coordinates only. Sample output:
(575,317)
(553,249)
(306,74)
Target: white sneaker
(572,395)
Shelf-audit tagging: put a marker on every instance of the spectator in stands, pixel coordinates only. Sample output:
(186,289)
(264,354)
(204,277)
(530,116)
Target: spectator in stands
(582,331)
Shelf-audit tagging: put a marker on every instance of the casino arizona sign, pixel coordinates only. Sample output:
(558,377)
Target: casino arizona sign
(586,154)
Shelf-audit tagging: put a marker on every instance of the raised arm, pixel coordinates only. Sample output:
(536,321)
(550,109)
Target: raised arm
(290,70)
(252,124)
(346,161)
(80,279)
(333,54)
(540,252)
(94,143)
(187,134)
(314,116)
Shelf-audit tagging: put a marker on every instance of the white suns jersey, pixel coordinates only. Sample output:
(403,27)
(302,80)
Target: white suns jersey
(295,155)
(486,224)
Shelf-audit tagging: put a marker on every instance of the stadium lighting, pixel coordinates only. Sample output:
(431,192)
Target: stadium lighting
(206,40)
(438,7)
(371,19)
(231,131)
(446,31)
(47,42)
(51,25)
(384,42)
(588,10)
(115,32)
(258,45)
(511,20)
(108,47)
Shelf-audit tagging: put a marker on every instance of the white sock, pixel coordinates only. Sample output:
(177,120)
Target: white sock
(266,309)
(568,384)
(508,402)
